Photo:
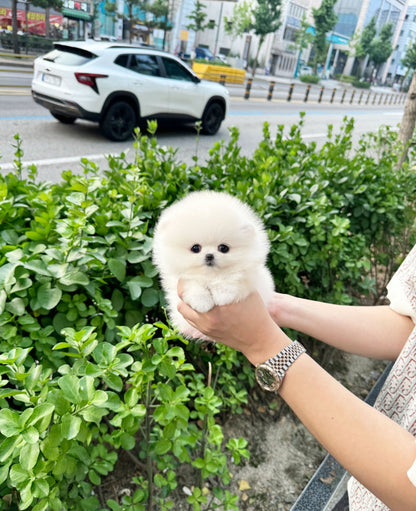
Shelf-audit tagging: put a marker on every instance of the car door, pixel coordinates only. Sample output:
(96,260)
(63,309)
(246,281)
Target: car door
(185,96)
(149,86)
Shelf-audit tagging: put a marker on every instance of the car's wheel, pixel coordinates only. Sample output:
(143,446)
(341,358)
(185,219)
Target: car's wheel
(212,118)
(65,119)
(119,121)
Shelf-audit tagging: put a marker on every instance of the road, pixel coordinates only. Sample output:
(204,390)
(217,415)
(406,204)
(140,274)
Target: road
(54,147)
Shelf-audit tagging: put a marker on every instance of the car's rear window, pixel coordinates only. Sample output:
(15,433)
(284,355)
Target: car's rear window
(69,56)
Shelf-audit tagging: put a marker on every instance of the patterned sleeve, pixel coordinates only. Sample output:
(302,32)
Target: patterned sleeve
(402,296)
(402,287)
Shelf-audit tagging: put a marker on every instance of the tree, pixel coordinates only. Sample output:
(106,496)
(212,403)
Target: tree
(408,123)
(160,11)
(45,4)
(15,39)
(197,17)
(381,48)
(266,21)
(262,19)
(362,48)
(409,59)
(325,20)
(303,39)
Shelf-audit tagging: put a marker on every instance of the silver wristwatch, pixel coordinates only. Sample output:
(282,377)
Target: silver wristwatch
(270,374)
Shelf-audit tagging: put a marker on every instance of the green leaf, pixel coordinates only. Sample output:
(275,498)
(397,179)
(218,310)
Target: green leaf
(117,268)
(48,297)
(21,284)
(86,388)
(60,322)
(71,425)
(7,447)
(9,422)
(18,475)
(3,298)
(16,307)
(42,412)
(4,472)
(70,387)
(29,454)
(94,477)
(127,441)
(7,278)
(135,289)
(75,277)
(117,300)
(39,267)
(93,414)
(40,488)
(150,297)
(162,446)
(30,435)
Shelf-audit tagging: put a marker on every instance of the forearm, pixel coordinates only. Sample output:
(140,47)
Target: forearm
(377,332)
(372,447)
(376,450)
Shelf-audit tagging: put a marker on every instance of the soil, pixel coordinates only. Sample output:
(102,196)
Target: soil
(283,454)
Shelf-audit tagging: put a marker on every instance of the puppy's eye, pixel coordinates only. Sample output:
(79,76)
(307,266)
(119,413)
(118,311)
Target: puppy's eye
(196,248)
(223,248)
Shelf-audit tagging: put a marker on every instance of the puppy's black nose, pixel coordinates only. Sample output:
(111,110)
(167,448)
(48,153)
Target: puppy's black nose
(209,259)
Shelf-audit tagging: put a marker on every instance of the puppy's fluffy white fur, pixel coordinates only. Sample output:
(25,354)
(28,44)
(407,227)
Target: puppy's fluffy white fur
(218,246)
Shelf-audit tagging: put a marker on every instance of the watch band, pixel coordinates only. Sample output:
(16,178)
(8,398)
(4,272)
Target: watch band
(275,368)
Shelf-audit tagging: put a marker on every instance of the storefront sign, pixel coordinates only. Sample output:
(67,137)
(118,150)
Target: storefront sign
(35,21)
(77,10)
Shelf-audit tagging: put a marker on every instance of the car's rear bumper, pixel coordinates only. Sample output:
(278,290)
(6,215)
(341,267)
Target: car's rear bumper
(68,108)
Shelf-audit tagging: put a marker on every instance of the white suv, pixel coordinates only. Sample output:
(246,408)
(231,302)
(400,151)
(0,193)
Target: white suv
(120,86)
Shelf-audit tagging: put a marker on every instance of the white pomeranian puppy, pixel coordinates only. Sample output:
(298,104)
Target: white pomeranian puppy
(217,246)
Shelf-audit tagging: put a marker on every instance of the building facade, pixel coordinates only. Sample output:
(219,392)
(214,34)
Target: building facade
(397,73)
(383,11)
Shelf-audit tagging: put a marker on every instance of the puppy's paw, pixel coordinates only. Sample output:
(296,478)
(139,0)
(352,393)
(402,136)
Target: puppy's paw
(201,302)
(198,297)
(227,294)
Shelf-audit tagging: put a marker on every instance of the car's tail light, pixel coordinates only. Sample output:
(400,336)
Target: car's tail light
(89,79)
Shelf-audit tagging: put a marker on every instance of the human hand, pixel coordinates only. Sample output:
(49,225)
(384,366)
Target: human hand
(282,308)
(245,326)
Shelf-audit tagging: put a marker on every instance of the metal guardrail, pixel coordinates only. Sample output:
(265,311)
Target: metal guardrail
(330,95)
(328,478)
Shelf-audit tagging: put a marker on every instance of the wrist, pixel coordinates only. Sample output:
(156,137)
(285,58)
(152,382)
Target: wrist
(268,343)
(283,308)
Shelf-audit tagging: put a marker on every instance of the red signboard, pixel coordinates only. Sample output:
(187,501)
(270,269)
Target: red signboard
(33,22)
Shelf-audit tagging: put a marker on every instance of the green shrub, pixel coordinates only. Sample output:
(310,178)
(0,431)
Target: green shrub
(309,78)
(215,62)
(87,366)
(345,78)
(361,84)
(29,42)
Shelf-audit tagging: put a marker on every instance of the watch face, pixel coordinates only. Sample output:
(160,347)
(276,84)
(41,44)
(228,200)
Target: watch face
(266,378)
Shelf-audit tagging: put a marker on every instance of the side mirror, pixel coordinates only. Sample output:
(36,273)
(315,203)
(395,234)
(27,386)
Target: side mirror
(196,79)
